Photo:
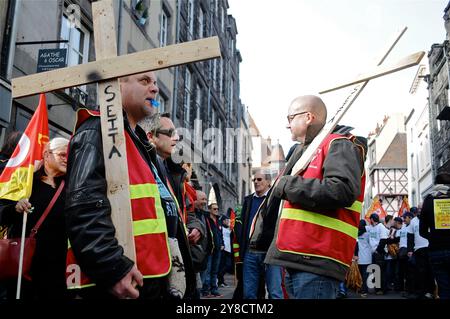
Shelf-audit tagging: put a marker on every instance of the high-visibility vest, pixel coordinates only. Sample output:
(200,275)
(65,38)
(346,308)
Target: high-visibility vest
(149,223)
(329,234)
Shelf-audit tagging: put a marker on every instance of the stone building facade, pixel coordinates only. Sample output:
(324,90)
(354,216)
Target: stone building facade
(206,91)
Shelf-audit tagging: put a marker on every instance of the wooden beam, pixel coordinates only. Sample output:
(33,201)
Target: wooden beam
(406,62)
(306,157)
(114,67)
(113,137)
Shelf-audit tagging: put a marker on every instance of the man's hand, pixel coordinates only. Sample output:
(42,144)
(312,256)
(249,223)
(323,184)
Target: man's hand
(23,206)
(126,287)
(194,236)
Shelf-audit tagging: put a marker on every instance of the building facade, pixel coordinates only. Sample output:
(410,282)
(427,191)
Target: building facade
(205,91)
(438,85)
(420,175)
(387,164)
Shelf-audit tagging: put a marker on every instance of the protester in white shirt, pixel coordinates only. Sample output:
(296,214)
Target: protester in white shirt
(423,279)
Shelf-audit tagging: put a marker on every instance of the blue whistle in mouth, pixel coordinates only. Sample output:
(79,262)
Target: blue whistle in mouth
(153,102)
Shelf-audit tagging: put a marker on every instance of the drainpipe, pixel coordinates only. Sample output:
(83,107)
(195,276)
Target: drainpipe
(12,45)
(119,27)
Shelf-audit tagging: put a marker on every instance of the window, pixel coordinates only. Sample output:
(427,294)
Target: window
(78,45)
(200,25)
(162,103)
(231,47)
(438,125)
(187,98)
(222,19)
(163,28)
(230,99)
(214,73)
(221,66)
(77,53)
(191,19)
(198,101)
(140,11)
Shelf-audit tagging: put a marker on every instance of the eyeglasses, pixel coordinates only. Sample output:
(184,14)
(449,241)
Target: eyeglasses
(259,179)
(215,209)
(168,132)
(61,155)
(291,117)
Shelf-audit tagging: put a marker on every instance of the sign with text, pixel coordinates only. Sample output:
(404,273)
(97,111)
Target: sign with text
(50,59)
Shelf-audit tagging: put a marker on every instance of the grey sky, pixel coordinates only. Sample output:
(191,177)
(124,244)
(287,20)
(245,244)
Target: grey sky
(296,47)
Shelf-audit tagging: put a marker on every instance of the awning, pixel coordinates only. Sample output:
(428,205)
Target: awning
(444,115)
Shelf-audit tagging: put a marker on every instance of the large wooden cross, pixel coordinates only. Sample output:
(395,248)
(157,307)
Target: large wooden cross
(364,79)
(106,71)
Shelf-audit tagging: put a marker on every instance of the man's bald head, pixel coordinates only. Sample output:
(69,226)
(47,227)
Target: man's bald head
(310,103)
(307,116)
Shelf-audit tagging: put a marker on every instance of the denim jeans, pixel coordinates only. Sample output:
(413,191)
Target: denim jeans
(209,276)
(254,267)
(364,275)
(306,285)
(440,263)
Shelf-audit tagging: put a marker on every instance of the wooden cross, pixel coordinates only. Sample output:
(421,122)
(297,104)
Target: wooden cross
(106,71)
(406,62)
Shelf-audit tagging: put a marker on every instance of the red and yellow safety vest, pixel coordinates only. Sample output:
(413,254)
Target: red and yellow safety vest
(149,223)
(327,234)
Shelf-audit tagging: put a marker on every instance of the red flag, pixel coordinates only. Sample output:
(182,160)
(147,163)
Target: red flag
(404,207)
(16,180)
(232,219)
(376,208)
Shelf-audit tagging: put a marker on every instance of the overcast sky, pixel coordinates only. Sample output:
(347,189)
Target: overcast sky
(296,47)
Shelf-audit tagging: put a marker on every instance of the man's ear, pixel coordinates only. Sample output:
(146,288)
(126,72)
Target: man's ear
(150,136)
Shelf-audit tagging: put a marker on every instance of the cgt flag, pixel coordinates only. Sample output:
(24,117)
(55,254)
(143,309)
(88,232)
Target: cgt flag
(232,219)
(404,207)
(16,180)
(376,208)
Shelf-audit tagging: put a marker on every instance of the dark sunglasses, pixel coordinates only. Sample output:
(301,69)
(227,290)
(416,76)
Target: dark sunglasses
(259,179)
(169,132)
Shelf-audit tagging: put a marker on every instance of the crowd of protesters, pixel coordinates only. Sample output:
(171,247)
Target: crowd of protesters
(294,233)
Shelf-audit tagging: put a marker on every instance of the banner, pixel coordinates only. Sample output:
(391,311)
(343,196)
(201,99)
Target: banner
(16,181)
(376,208)
(404,207)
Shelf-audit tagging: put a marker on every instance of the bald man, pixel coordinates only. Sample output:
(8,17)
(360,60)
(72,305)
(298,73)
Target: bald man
(316,230)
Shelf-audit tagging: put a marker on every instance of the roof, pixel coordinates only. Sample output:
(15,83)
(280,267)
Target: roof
(277,154)
(253,126)
(396,154)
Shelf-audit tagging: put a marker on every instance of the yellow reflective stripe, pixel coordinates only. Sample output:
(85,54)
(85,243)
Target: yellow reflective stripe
(235,245)
(149,226)
(319,219)
(143,190)
(356,206)
(236,254)
(80,287)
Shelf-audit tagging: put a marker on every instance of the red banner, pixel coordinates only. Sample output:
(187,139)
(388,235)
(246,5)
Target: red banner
(16,180)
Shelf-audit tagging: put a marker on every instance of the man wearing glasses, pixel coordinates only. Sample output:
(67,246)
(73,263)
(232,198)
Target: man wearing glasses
(209,276)
(320,208)
(162,134)
(254,268)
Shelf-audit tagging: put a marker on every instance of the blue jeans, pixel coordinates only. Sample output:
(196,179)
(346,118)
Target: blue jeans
(440,263)
(306,285)
(209,276)
(254,267)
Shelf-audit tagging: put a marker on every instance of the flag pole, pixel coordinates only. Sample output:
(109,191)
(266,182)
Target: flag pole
(22,247)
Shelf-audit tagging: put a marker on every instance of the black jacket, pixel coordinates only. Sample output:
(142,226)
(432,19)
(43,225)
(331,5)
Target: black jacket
(439,239)
(268,227)
(88,212)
